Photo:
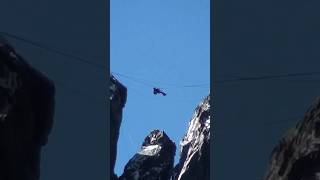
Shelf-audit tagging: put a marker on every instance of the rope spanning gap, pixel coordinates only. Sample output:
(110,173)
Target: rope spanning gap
(134,79)
(296,119)
(56,51)
(266,77)
(142,81)
(307,80)
(62,85)
(101,66)
(133,90)
(86,61)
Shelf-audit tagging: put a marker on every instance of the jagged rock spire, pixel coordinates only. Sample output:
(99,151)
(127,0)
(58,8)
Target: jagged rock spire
(154,161)
(195,146)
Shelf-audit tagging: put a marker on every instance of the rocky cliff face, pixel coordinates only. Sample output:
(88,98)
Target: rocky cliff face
(195,146)
(26,115)
(118,97)
(154,161)
(297,157)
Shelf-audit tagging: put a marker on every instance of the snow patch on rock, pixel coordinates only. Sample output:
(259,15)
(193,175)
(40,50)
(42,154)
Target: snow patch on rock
(150,150)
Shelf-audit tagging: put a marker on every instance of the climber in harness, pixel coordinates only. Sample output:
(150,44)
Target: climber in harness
(158,91)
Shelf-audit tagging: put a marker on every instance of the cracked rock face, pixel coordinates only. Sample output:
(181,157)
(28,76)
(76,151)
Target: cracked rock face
(297,156)
(118,97)
(194,160)
(26,115)
(154,161)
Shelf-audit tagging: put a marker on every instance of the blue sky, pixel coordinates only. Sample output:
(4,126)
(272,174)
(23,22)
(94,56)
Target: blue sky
(165,44)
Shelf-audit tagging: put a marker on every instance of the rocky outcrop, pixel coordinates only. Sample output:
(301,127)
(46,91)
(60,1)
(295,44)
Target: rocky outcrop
(118,98)
(297,156)
(195,146)
(26,115)
(154,161)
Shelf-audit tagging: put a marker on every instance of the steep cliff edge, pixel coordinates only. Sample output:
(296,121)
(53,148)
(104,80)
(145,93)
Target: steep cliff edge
(154,161)
(118,98)
(194,160)
(297,157)
(26,115)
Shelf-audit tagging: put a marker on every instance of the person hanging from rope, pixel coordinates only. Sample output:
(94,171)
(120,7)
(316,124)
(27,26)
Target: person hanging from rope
(158,91)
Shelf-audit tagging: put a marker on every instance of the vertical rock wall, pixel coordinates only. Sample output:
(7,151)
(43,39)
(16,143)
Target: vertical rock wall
(118,98)
(195,146)
(26,115)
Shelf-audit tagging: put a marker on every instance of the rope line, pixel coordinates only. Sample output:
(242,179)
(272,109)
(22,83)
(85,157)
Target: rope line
(101,66)
(266,77)
(166,84)
(87,61)
(56,51)
(264,124)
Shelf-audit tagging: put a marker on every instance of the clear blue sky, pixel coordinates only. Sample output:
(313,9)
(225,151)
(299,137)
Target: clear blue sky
(165,43)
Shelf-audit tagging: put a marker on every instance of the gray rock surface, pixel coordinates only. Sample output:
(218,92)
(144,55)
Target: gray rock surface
(297,156)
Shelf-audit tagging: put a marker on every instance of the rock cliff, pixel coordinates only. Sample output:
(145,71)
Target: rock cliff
(154,161)
(118,98)
(195,146)
(297,156)
(26,115)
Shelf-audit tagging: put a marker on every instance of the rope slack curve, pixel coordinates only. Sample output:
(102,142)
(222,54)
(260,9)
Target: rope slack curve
(265,124)
(135,79)
(92,64)
(267,77)
(56,51)
(144,82)
(63,85)
(103,67)
(147,83)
